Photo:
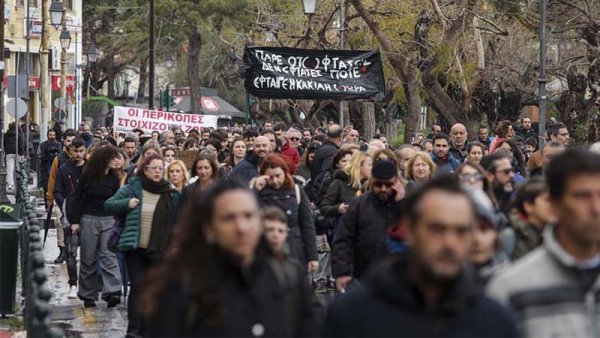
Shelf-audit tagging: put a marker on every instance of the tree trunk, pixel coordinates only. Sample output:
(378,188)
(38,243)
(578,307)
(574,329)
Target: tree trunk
(141,92)
(195,43)
(404,67)
(110,78)
(368,119)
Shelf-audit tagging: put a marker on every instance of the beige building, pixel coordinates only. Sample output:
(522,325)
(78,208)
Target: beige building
(15,32)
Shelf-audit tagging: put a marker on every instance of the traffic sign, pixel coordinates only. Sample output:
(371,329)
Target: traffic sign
(19,109)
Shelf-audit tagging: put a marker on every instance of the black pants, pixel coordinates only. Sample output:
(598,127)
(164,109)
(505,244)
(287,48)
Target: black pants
(71,245)
(138,263)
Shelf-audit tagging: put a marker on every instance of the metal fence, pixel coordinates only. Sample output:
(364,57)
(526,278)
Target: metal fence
(37,311)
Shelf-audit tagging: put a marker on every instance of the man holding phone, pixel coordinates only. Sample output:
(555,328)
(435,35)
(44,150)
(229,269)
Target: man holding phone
(360,238)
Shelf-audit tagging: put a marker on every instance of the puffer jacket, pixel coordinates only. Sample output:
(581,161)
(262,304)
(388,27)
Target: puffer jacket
(361,235)
(340,191)
(10,141)
(118,206)
(552,294)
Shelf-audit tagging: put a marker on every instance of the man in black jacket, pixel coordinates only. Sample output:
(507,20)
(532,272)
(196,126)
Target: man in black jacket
(66,181)
(10,150)
(49,149)
(426,292)
(361,235)
(323,159)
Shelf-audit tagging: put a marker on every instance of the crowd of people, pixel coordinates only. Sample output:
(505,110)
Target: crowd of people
(288,231)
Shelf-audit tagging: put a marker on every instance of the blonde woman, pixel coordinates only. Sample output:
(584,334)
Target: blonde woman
(420,169)
(177,174)
(346,185)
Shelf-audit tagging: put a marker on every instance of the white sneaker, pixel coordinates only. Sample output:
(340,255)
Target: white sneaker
(73,292)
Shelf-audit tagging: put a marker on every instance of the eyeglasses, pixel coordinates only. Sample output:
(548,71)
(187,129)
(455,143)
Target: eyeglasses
(506,171)
(177,134)
(295,138)
(156,168)
(467,177)
(380,184)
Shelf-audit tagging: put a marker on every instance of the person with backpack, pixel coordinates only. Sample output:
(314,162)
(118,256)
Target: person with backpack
(276,187)
(149,203)
(222,280)
(67,177)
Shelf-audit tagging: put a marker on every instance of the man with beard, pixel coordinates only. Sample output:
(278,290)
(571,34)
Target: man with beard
(501,176)
(247,169)
(49,149)
(441,156)
(361,235)
(427,291)
(554,289)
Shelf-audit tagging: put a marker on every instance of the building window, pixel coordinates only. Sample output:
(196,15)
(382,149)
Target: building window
(32,3)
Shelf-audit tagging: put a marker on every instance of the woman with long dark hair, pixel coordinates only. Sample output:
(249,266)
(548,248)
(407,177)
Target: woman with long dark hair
(306,161)
(222,281)
(149,203)
(205,171)
(237,152)
(86,213)
(517,158)
(276,187)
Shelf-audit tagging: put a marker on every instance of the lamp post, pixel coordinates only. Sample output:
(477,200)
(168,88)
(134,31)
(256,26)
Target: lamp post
(92,56)
(56,11)
(170,62)
(310,8)
(65,42)
(151,58)
(542,80)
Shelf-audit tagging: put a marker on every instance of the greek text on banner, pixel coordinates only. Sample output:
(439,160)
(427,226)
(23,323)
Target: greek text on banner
(129,118)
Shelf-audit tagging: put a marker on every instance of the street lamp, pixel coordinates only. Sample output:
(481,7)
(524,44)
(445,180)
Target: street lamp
(65,39)
(57,11)
(309,6)
(170,61)
(92,54)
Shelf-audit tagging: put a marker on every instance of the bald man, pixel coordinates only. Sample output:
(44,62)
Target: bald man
(247,169)
(458,142)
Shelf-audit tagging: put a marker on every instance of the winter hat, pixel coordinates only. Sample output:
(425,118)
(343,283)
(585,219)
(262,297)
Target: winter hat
(384,170)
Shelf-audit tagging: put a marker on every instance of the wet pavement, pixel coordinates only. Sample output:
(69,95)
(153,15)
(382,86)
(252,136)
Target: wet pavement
(69,314)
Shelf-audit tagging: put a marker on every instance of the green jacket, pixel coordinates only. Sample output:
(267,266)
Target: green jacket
(118,206)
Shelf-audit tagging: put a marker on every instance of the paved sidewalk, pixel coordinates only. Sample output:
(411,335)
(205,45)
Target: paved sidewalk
(69,314)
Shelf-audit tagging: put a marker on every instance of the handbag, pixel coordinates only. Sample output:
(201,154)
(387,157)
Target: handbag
(117,228)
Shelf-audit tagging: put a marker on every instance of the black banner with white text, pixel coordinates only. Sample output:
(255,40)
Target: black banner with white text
(292,73)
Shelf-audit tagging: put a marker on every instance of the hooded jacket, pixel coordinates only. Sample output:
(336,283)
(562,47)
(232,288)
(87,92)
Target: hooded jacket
(552,294)
(10,141)
(389,304)
(66,181)
(58,161)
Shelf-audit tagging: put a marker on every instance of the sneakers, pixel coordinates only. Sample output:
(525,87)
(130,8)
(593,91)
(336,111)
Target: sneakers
(73,292)
(113,301)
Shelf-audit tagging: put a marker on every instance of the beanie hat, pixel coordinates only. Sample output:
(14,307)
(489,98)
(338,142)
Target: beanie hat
(384,170)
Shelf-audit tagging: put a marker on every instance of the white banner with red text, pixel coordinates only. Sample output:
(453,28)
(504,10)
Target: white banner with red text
(129,118)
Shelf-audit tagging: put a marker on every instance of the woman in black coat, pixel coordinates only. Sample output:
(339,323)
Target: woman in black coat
(219,281)
(276,187)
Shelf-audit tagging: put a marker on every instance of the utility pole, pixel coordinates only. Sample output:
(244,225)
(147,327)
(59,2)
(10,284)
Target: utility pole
(3,196)
(63,75)
(151,59)
(44,79)
(342,31)
(542,80)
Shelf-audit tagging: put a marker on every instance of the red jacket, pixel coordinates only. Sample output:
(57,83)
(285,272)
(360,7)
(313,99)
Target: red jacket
(291,156)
